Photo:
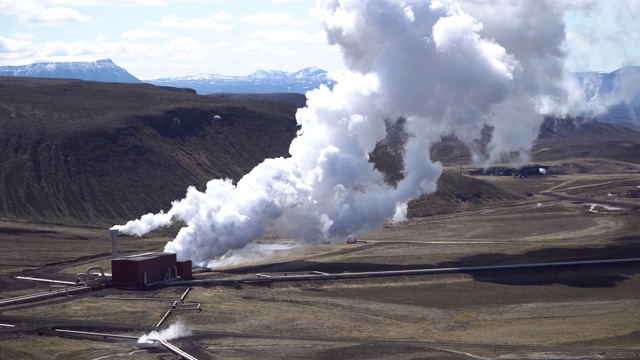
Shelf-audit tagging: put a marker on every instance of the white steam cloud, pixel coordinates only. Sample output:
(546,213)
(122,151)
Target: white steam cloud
(176,330)
(447,68)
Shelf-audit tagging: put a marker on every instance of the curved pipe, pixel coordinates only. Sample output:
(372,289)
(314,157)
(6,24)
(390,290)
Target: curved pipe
(79,276)
(94,268)
(146,284)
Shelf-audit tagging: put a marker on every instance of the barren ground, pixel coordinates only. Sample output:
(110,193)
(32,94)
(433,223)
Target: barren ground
(574,312)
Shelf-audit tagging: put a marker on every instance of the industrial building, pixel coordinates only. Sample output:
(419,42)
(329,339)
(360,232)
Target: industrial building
(144,270)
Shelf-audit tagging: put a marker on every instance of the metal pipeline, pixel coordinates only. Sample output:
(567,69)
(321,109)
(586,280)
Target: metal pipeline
(88,272)
(88,333)
(176,350)
(45,280)
(43,296)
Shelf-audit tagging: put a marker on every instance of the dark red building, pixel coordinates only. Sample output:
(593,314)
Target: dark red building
(185,269)
(140,271)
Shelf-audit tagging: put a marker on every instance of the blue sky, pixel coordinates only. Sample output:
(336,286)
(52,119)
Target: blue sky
(157,38)
(164,38)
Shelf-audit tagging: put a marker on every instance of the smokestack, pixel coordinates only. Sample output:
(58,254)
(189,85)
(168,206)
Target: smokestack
(114,243)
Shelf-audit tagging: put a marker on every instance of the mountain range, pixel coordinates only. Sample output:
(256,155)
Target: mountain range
(101,70)
(617,91)
(260,81)
(89,152)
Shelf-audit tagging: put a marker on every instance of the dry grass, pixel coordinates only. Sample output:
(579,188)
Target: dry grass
(586,307)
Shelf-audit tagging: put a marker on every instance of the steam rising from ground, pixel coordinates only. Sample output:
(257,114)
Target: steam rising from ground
(251,254)
(446,68)
(176,330)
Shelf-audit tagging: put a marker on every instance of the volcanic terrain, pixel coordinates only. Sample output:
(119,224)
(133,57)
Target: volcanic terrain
(78,157)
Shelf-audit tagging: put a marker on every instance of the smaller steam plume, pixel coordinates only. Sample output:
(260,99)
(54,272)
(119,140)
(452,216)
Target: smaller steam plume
(176,330)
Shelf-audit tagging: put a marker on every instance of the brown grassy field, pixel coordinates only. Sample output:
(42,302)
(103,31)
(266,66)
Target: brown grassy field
(576,312)
(96,154)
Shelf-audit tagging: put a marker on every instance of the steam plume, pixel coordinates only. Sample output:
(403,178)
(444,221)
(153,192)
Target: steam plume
(176,330)
(446,68)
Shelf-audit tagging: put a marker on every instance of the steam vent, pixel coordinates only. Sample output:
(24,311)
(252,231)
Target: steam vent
(144,270)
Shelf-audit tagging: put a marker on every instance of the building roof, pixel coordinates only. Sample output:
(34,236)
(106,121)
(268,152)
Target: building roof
(146,256)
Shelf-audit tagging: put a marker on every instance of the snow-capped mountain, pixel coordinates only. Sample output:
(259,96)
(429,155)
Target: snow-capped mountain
(623,83)
(618,92)
(260,81)
(100,70)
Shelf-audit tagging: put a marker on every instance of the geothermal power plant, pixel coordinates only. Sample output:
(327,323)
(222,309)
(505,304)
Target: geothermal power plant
(144,270)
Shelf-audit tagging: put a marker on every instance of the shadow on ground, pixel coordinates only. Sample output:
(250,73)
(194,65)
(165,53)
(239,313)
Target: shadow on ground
(606,276)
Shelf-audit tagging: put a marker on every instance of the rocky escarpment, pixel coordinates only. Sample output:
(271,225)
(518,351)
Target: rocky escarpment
(86,152)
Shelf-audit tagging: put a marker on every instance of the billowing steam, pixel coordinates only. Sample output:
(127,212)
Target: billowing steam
(176,330)
(446,68)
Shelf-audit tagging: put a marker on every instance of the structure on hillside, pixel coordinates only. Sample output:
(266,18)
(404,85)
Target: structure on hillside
(525,171)
(353,240)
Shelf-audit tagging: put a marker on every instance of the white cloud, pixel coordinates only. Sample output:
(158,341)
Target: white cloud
(250,46)
(98,48)
(143,34)
(35,13)
(264,65)
(287,1)
(12,7)
(221,45)
(217,22)
(600,35)
(55,16)
(292,35)
(185,49)
(120,3)
(265,19)
(15,47)
(23,36)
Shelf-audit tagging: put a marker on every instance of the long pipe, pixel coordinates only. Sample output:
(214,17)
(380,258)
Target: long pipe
(43,296)
(356,275)
(45,280)
(136,298)
(184,295)
(166,315)
(176,350)
(65,287)
(74,332)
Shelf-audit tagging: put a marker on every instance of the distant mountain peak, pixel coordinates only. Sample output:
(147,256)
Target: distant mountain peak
(618,91)
(104,70)
(260,81)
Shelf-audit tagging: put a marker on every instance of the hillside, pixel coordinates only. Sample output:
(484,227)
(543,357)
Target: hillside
(90,152)
(99,153)
(457,192)
(586,138)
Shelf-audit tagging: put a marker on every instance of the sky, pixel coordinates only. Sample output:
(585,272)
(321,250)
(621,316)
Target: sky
(171,38)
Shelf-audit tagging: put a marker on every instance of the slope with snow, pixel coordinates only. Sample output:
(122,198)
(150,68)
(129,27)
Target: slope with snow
(260,81)
(100,70)
(613,97)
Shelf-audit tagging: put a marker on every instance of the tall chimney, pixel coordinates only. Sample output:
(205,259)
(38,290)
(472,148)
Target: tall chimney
(114,243)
